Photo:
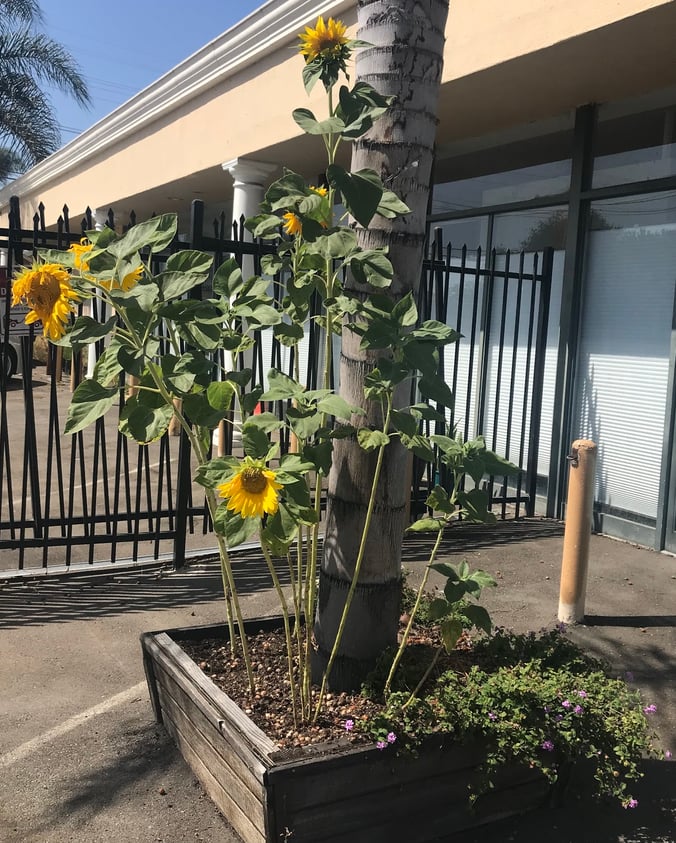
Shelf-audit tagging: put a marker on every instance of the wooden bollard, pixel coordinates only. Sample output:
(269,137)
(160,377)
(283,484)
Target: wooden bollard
(577,534)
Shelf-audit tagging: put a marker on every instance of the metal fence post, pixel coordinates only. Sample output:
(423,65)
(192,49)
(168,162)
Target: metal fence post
(183,494)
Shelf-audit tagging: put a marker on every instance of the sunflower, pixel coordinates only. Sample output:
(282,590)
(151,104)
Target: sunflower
(127,282)
(252,491)
(292,223)
(320,191)
(80,250)
(326,40)
(46,289)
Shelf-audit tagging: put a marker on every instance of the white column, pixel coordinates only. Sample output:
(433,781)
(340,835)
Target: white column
(250,178)
(99,224)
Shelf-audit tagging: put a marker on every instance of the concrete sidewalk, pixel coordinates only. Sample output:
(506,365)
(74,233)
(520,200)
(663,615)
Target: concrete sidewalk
(82,760)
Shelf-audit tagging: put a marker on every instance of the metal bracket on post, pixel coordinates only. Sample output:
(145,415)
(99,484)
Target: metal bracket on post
(577,535)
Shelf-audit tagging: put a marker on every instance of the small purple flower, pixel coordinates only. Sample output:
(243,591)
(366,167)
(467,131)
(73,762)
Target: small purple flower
(629,676)
(391,737)
(492,715)
(582,694)
(650,709)
(632,803)
(381,744)
(547,709)
(558,718)
(560,627)
(567,704)
(578,709)
(349,725)
(667,754)
(548,745)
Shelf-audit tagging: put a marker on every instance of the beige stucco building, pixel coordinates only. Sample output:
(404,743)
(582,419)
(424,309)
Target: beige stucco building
(556,128)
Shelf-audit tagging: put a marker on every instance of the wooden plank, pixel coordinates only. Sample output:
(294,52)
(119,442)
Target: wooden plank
(227,745)
(419,812)
(175,661)
(241,824)
(364,770)
(239,801)
(248,789)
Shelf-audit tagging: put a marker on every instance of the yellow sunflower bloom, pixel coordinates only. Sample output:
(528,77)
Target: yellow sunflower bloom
(320,191)
(127,282)
(46,289)
(326,39)
(292,224)
(80,250)
(252,491)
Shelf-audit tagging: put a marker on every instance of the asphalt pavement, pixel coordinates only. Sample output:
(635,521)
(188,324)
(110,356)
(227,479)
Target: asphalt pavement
(82,760)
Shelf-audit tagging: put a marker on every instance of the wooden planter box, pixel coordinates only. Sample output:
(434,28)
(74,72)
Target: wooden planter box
(360,795)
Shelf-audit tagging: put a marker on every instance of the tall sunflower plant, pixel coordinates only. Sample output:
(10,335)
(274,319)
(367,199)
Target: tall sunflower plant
(184,355)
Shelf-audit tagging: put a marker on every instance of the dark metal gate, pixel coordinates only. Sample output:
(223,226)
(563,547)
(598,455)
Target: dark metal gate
(96,498)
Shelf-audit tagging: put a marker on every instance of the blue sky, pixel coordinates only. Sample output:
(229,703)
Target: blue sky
(122,47)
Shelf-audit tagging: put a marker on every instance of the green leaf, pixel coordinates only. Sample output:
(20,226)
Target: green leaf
(435,332)
(144,295)
(228,279)
(404,422)
(455,591)
(320,456)
(391,206)
(241,378)
(425,525)
(266,421)
(87,330)
(436,390)
(338,243)
(497,465)
(144,422)
(236,529)
(478,616)
(156,234)
(216,471)
(420,445)
(426,412)
(288,335)
(476,503)
(336,405)
(361,191)
(439,608)
(251,399)
(446,570)
(220,395)
(311,126)
(256,442)
(190,261)
(439,500)
(369,440)
(372,267)
(304,422)
(181,373)
(451,629)
(280,531)
(89,402)
(198,409)
(173,285)
(265,226)
(108,367)
(281,386)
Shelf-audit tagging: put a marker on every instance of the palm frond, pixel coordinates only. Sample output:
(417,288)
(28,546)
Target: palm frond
(37,55)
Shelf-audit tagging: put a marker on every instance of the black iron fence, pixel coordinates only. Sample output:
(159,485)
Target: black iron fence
(96,498)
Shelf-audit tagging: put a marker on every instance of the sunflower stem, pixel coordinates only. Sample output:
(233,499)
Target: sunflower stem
(287,629)
(416,606)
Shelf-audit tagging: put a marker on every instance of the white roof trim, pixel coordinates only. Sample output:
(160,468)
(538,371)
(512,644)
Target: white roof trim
(260,32)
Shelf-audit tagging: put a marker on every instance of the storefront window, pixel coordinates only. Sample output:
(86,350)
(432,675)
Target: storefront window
(634,148)
(502,188)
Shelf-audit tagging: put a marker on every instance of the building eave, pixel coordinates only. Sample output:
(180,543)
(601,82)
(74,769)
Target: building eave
(262,31)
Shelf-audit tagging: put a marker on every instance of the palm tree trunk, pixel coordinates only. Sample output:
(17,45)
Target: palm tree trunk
(405,60)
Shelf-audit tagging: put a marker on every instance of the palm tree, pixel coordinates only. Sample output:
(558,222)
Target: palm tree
(406,61)
(29,59)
